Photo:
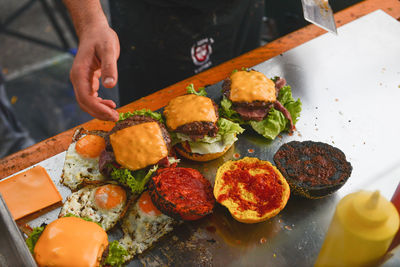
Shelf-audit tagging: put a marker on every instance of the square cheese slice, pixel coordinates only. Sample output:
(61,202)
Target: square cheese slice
(29,192)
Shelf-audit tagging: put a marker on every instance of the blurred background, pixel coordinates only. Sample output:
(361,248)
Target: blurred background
(37,47)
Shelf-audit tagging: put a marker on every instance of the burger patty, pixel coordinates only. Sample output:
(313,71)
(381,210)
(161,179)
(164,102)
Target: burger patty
(257,110)
(254,114)
(198,129)
(105,255)
(182,193)
(107,158)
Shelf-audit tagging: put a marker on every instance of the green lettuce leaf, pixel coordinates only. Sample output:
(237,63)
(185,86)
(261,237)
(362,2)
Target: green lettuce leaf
(144,112)
(173,160)
(271,126)
(294,107)
(116,254)
(275,122)
(190,90)
(34,237)
(226,136)
(135,180)
(83,218)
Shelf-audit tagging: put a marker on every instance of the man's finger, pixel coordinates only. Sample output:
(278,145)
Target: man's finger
(108,57)
(108,103)
(95,107)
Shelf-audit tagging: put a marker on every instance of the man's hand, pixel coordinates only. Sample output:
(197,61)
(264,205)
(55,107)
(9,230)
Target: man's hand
(97,56)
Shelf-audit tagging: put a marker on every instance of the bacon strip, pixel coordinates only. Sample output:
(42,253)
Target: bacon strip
(286,113)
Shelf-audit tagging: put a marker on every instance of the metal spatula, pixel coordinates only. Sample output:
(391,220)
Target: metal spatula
(320,13)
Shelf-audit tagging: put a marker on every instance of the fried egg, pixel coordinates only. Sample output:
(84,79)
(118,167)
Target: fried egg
(82,159)
(104,204)
(143,225)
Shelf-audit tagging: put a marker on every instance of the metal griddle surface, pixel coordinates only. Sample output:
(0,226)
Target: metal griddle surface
(350,89)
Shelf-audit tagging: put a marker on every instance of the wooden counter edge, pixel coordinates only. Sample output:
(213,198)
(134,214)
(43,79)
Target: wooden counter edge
(59,143)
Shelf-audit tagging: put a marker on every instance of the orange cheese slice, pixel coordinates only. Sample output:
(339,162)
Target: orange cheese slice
(71,241)
(139,146)
(189,108)
(29,191)
(249,86)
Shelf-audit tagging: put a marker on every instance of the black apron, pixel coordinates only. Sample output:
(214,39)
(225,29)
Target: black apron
(165,41)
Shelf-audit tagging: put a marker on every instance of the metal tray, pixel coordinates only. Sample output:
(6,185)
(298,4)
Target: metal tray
(350,89)
(13,251)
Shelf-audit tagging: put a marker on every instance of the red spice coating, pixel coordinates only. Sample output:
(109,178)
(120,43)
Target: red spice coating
(182,193)
(266,187)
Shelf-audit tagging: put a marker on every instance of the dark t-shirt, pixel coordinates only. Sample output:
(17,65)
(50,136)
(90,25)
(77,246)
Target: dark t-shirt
(166,41)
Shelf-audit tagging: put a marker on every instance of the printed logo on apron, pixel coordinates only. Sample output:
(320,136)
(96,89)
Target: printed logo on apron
(201,52)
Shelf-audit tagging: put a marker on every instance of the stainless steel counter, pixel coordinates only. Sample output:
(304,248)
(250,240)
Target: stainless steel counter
(13,251)
(350,89)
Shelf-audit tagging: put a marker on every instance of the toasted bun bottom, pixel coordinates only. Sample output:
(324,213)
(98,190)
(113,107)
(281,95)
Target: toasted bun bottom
(248,216)
(184,152)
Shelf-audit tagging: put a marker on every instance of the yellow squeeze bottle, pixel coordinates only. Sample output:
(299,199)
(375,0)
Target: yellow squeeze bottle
(361,231)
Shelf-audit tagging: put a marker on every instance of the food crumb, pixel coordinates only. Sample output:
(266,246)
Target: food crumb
(263,240)
(250,150)
(175,238)
(288,227)
(336,99)
(299,134)
(236,155)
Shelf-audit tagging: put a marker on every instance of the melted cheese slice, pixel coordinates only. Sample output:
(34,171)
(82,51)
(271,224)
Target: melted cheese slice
(29,191)
(249,86)
(71,241)
(139,146)
(189,108)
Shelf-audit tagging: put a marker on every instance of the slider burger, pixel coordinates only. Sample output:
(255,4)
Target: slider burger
(196,129)
(268,106)
(72,241)
(135,148)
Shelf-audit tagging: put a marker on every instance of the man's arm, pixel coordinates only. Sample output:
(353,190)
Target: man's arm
(97,56)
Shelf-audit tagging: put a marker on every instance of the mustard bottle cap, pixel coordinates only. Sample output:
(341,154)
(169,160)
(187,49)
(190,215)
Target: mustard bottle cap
(371,209)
